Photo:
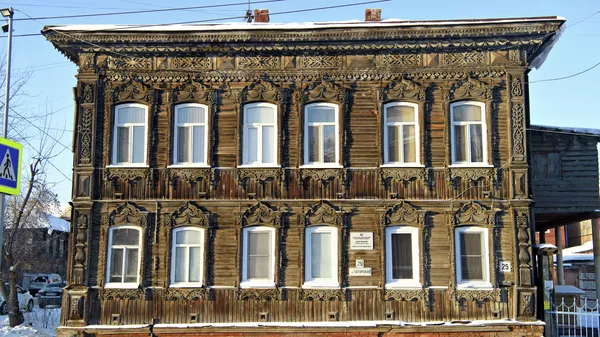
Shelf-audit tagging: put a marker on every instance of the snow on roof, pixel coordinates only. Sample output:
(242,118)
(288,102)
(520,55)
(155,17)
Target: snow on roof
(545,246)
(58,224)
(563,129)
(584,248)
(295,25)
(568,290)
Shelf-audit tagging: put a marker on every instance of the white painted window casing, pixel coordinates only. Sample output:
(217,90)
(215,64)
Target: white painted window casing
(472,257)
(187,257)
(402,257)
(258,257)
(321,135)
(468,140)
(130,135)
(190,135)
(260,141)
(123,257)
(321,257)
(401,134)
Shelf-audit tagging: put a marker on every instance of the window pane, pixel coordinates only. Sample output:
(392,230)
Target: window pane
(259,259)
(314,146)
(472,268)
(195,263)
(466,112)
(476,143)
(260,114)
(116,265)
(258,243)
(131,115)
(125,236)
(400,113)
(392,142)
(132,265)
(183,144)
(402,267)
(139,144)
(320,252)
(324,114)
(540,165)
(122,145)
(198,156)
(554,166)
(190,115)
(188,237)
(461,147)
(410,144)
(252,145)
(329,146)
(268,144)
(180,263)
(471,256)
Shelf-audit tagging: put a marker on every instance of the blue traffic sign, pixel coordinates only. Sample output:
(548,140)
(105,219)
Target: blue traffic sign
(10,166)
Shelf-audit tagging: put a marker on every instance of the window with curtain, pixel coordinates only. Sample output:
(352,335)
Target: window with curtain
(260,134)
(469,134)
(472,257)
(190,134)
(321,260)
(123,261)
(402,257)
(187,257)
(401,134)
(130,134)
(321,143)
(258,257)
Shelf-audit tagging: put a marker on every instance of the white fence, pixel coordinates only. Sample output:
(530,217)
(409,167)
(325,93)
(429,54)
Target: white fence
(572,320)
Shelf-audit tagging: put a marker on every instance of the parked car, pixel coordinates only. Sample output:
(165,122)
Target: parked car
(41,280)
(51,294)
(23,296)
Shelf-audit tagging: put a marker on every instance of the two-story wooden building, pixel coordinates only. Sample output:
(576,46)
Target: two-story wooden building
(246,179)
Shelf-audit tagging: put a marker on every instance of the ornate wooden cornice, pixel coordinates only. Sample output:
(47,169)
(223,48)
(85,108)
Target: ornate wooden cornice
(129,174)
(403,174)
(189,215)
(260,214)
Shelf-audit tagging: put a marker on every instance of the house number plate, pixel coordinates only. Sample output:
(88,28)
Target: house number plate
(505,266)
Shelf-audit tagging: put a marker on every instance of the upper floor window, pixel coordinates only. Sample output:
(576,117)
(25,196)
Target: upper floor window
(472,257)
(191,135)
(260,134)
(124,254)
(321,257)
(258,257)
(401,134)
(469,133)
(321,134)
(187,257)
(130,134)
(402,257)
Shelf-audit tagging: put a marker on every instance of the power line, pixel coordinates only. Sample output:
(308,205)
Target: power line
(40,129)
(141,11)
(568,76)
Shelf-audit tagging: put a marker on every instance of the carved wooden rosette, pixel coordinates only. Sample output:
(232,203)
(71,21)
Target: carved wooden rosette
(473,213)
(125,214)
(259,214)
(188,215)
(405,214)
(324,214)
(81,250)
(262,90)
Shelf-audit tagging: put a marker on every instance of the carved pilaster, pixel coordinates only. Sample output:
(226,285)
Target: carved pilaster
(524,241)
(525,301)
(75,307)
(80,260)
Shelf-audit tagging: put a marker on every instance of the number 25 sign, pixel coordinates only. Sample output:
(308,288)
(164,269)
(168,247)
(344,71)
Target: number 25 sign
(505,266)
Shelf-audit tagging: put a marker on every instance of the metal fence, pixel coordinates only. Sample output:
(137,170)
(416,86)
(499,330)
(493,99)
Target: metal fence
(570,319)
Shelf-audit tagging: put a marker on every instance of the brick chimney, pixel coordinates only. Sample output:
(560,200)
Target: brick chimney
(373,14)
(261,15)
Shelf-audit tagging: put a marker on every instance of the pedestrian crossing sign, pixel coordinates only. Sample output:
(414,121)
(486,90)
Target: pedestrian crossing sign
(10,167)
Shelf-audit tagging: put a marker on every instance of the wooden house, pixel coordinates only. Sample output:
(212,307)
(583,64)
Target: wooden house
(326,178)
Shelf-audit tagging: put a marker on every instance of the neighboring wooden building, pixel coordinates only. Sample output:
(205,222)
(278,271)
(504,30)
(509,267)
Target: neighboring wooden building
(224,174)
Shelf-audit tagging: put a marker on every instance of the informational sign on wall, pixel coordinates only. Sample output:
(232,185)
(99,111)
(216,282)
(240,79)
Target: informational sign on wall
(360,269)
(361,240)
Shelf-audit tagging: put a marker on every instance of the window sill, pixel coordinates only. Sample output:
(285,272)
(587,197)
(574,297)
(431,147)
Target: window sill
(115,285)
(321,166)
(475,286)
(471,165)
(189,166)
(127,166)
(321,285)
(251,166)
(185,285)
(413,165)
(404,285)
(257,284)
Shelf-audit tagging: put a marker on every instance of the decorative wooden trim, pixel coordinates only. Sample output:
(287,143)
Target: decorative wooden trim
(132,91)
(323,175)
(473,88)
(259,174)
(477,295)
(274,294)
(183,294)
(122,294)
(522,222)
(322,294)
(470,174)
(401,174)
(406,294)
(192,91)
(403,213)
(190,215)
(474,213)
(402,89)
(81,249)
(191,174)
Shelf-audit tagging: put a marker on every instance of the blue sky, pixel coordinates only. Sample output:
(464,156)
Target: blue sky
(560,103)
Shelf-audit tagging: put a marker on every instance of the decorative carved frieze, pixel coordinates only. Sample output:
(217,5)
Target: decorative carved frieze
(405,294)
(390,60)
(190,174)
(130,62)
(129,174)
(323,213)
(189,215)
(321,175)
(122,294)
(193,90)
(322,294)
(84,130)
(183,294)
(401,174)
(325,89)
(258,174)
(518,131)
(132,90)
(259,62)
(404,88)
(319,62)
(260,214)
(472,213)
(403,213)
(80,250)
(465,58)
(470,174)
(477,295)
(191,63)
(255,294)
(471,87)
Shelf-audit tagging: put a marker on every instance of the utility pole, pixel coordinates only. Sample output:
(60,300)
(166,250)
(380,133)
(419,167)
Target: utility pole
(7,13)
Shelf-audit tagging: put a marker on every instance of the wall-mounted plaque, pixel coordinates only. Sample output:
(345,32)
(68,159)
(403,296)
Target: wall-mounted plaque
(361,240)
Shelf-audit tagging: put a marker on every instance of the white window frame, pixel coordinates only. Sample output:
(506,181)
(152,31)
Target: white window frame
(413,282)
(136,284)
(485,283)
(257,283)
(336,124)
(190,127)
(174,245)
(130,126)
(399,126)
(259,127)
(309,281)
(484,136)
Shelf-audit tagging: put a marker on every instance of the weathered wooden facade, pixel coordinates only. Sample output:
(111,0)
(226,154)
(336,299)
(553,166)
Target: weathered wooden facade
(356,71)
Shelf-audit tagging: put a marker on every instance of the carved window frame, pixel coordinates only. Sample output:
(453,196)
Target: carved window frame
(173,246)
(113,147)
(244,138)
(189,216)
(245,282)
(487,257)
(485,123)
(140,247)
(259,215)
(207,138)
(418,111)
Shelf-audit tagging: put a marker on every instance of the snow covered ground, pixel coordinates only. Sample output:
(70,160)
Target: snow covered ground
(38,323)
